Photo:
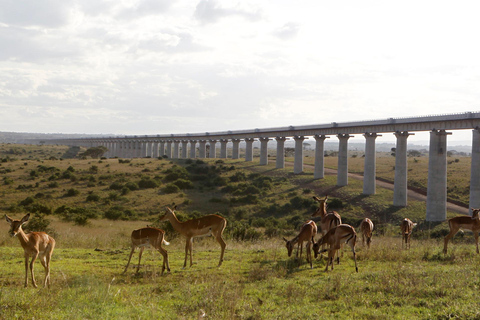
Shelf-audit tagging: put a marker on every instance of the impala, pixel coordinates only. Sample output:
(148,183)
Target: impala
(366,228)
(34,244)
(208,225)
(149,237)
(307,233)
(328,220)
(407,227)
(463,222)
(334,238)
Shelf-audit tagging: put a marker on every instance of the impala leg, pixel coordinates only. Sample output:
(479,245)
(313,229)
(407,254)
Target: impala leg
(48,257)
(129,258)
(140,257)
(44,264)
(31,269)
(476,240)
(223,244)
(309,254)
(164,253)
(187,247)
(26,270)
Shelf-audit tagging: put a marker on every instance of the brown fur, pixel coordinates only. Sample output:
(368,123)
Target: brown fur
(406,227)
(307,232)
(366,228)
(463,222)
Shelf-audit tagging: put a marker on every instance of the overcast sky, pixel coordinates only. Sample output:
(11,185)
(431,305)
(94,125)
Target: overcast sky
(190,66)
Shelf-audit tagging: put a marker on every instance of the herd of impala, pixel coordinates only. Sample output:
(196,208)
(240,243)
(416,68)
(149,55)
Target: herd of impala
(333,235)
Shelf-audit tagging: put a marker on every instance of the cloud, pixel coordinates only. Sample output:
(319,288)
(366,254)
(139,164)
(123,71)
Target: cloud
(210,11)
(45,13)
(287,31)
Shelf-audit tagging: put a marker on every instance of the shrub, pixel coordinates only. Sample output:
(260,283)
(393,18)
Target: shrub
(184,184)
(53,184)
(117,185)
(93,197)
(37,222)
(132,186)
(72,192)
(147,183)
(171,188)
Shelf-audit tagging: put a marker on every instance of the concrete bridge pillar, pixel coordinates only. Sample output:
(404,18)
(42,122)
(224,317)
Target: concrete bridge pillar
(223,148)
(202,149)
(168,151)
(437,176)
(475,171)
(176,149)
(280,162)
(249,149)
(264,151)
(236,149)
(400,183)
(369,176)
(193,149)
(155,149)
(161,148)
(144,148)
(319,171)
(298,161)
(184,149)
(213,149)
(342,177)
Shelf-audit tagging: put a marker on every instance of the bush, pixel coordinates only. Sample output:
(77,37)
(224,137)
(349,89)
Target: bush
(147,183)
(53,184)
(117,185)
(132,186)
(72,192)
(37,222)
(184,184)
(93,197)
(171,188)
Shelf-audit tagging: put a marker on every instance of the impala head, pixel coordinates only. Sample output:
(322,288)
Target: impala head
(475,213)
(322,206)
(317,245)
(289,246)
(16,225)
(168,212)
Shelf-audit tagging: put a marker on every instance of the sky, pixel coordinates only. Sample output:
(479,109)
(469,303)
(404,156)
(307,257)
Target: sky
(146,67)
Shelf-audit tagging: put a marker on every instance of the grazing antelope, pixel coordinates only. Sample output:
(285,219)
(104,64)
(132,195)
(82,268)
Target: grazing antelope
(204,226)
(334,238)
(366,228)
(463,222)
(34,244)
(146,237)
(307,232)
(407,227)
(328,220)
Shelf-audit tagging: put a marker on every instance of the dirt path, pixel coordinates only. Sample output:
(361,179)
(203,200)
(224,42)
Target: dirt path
(411,194)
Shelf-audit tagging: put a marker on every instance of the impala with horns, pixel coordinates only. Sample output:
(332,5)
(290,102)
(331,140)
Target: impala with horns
(307,232)
(366,228)
(463,222)
(149,237)
(328,220)
(204,226)
(334,238)
(34,244)
(406,227)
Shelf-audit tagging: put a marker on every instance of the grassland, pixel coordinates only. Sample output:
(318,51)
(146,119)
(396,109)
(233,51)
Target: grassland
(257,279)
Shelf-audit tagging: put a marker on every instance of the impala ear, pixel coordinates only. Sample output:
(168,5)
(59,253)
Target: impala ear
(25,218)
(285,239)
(9,220)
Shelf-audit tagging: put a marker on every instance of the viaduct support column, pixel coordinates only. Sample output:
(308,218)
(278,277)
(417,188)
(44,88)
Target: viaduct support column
(161,149)
(437,177)
(298,161)
(475,171)
(342,177)
(319,171)
(280,162)
(264,151)
(249,149)
(184,149)
(168,152)
(137,149)
(369,176)
(202,149)
(176,149)
(155,149)
(213,149)
(236,149)
(193,149)
(400,183)
(144,148)
(223,148)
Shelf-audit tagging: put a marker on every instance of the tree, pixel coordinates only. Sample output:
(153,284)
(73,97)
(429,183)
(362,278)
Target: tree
(94,152)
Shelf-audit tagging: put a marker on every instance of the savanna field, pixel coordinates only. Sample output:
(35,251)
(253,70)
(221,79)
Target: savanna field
(90,206)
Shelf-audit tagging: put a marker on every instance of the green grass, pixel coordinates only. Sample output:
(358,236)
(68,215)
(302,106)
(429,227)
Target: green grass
(256,281)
